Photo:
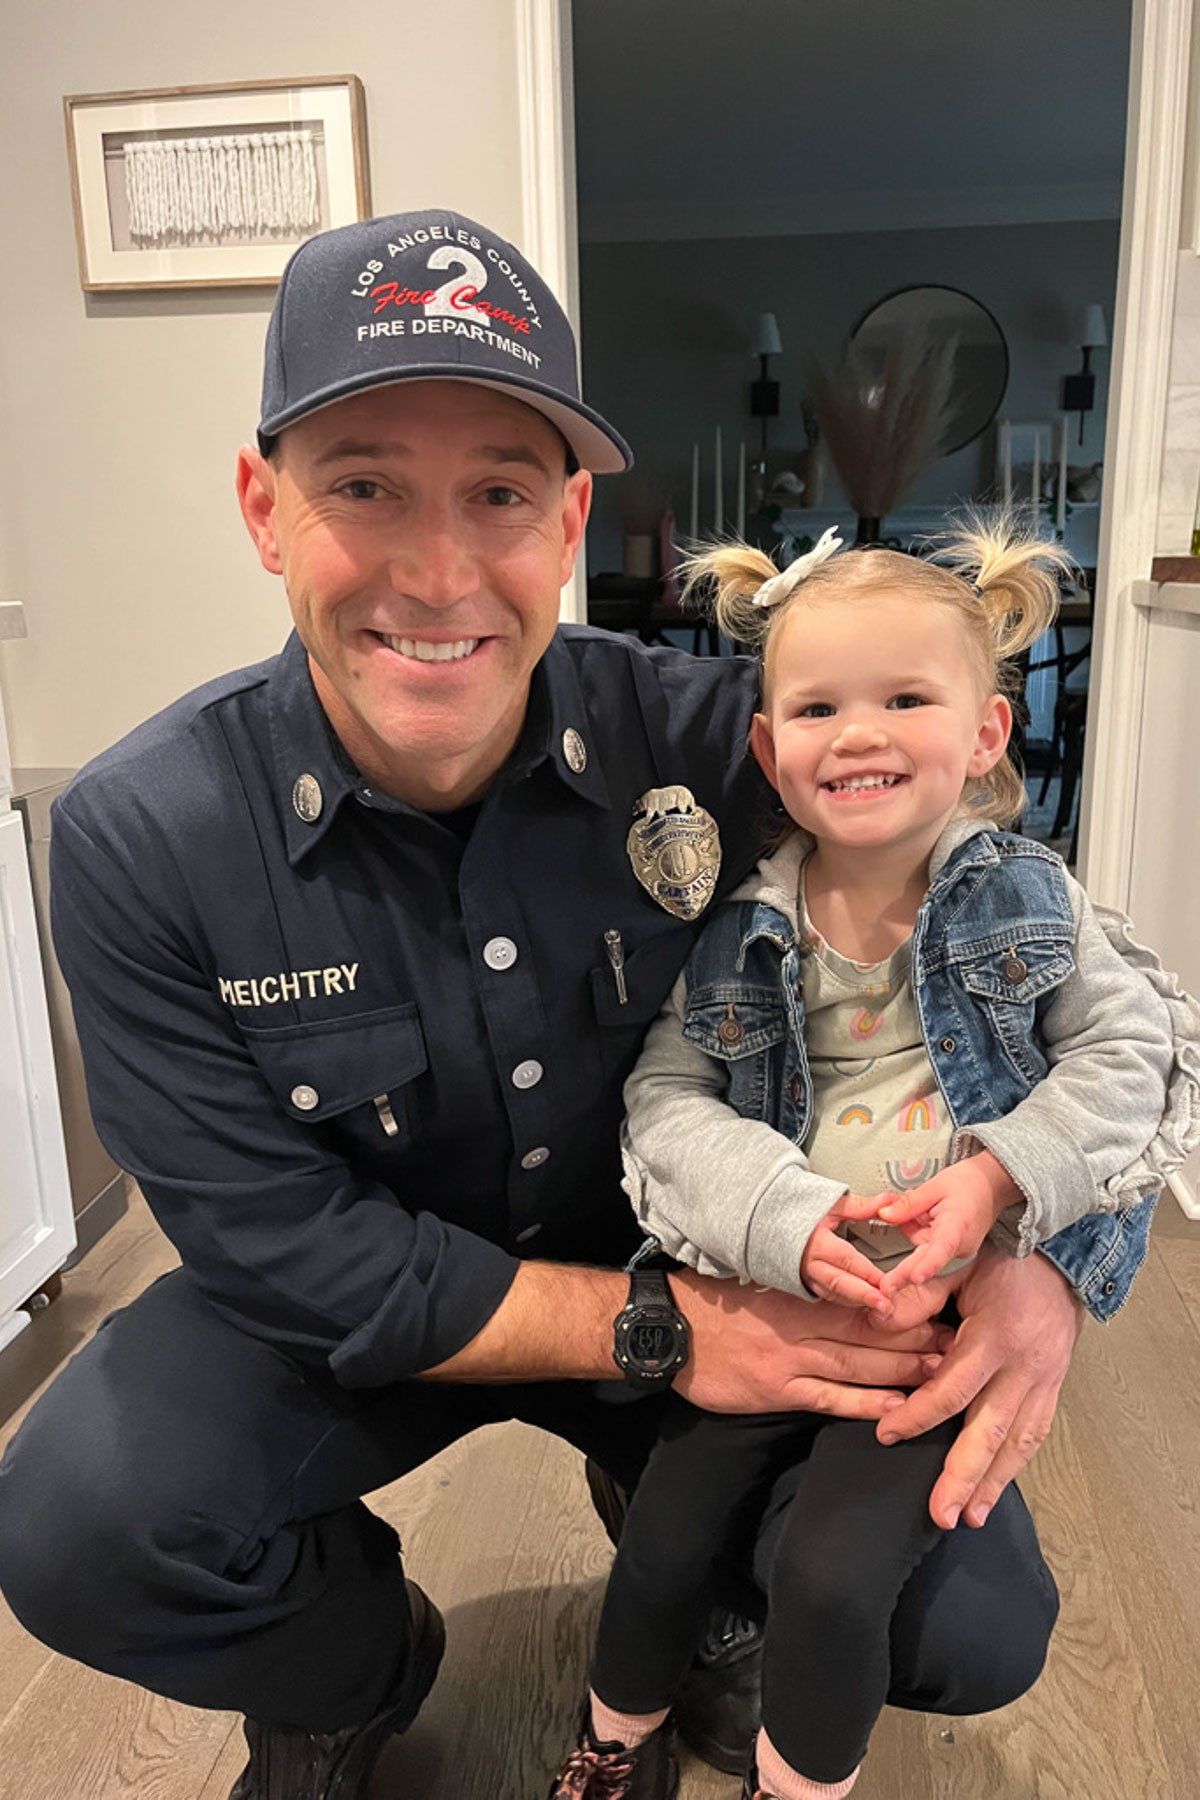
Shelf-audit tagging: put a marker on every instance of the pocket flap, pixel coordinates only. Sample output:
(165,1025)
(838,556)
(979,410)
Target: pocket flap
(342,1062)
(996,977)
(730,1022)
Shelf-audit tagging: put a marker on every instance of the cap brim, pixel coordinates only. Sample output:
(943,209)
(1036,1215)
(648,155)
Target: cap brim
(597,446)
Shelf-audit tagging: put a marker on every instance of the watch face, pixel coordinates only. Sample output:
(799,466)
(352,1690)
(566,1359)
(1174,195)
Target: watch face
(652,1344)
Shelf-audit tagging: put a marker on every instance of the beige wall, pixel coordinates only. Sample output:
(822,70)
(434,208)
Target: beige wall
(120,414)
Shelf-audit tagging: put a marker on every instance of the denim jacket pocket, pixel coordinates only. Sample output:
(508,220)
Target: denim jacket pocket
(739,1026)
(1007,984)
(1018,974)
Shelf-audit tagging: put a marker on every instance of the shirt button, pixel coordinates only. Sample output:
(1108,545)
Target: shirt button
(533,1159)
(948,1045)
(499,953)
(525,1075)
(524,1236)
(305,1097)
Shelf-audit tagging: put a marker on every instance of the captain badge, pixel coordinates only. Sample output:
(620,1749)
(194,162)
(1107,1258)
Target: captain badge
(675,850)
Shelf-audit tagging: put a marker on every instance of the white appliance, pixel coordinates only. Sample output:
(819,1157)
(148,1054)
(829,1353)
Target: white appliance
(37,1230)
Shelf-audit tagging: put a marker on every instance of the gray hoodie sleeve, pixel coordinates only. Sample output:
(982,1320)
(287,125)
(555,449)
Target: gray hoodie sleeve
(730,1196)
(1120,1107)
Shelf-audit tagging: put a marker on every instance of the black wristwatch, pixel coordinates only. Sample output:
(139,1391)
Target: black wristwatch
(651,1340)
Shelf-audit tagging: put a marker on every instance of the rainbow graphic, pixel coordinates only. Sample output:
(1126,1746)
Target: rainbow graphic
(918,1115)
(865,1023)
(910,1172)
(856,1115)
(845,1066)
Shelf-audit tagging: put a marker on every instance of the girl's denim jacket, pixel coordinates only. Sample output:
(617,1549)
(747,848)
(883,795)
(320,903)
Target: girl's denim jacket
(1082,1076)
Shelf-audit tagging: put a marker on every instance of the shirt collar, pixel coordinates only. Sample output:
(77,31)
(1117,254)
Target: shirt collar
(314,775)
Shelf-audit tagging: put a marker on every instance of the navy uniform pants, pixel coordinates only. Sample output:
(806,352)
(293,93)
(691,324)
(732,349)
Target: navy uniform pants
(182,1509)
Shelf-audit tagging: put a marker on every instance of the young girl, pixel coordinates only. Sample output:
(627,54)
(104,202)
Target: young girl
(909,1026)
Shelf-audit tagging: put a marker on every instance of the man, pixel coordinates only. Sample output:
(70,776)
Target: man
(362,944)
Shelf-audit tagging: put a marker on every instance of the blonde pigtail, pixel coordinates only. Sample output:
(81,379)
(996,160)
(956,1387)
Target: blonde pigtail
(1014,578)
(721,582)
(1015,574)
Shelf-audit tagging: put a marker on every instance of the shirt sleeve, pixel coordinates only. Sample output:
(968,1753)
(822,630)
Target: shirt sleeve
(727,1195)
(278,1231)
(1120,1107)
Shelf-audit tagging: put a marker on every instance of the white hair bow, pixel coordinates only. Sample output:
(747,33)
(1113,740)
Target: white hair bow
(780,586)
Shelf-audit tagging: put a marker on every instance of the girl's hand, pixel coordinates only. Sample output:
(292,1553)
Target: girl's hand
(834,1270)
(947,1217)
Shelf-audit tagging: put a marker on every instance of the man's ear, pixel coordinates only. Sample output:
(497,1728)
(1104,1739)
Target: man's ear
(577,503)
(995,729)
(256,497)
(763,746)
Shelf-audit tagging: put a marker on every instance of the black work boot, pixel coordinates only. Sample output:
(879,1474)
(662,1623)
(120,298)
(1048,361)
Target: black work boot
(336,1765)
(719,1707)
(607,1771)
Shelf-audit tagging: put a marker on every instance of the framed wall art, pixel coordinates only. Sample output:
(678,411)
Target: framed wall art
(212,186)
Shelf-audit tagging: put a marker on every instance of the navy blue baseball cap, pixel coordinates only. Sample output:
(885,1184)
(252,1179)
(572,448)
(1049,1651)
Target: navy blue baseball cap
(415,297)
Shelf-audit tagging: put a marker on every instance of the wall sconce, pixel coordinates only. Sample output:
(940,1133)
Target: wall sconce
(1079,391)
(764,393)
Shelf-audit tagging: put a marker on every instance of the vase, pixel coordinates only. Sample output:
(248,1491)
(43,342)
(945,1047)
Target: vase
(870,531)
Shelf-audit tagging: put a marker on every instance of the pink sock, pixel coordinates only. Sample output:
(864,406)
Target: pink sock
(781,1782)
(629,1729)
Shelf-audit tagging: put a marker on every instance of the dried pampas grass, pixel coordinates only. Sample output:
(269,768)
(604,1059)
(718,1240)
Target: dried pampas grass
(884,417)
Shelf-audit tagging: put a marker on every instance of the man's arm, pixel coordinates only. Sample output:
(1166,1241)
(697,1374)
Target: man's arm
(753,1350)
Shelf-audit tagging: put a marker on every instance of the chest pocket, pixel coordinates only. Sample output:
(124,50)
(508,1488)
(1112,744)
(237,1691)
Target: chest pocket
(1008,985)
(746,1029)
(321,1072)
(649,971)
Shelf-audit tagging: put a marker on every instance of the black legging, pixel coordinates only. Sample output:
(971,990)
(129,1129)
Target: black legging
(849,1558)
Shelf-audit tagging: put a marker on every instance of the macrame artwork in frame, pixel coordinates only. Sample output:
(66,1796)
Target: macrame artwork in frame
(212,186)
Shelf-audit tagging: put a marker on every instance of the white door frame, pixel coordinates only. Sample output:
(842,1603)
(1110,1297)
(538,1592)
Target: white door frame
(549,219)
(1137,406)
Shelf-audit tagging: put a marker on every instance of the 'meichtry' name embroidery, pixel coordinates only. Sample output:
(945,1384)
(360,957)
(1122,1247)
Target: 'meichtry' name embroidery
(268,990)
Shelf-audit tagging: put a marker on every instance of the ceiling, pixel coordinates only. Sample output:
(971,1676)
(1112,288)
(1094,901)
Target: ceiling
(748,118)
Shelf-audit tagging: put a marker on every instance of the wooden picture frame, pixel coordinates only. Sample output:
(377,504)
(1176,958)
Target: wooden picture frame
(212,186)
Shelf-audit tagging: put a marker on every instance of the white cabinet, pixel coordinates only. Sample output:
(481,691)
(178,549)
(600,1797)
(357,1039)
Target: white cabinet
(37,1231)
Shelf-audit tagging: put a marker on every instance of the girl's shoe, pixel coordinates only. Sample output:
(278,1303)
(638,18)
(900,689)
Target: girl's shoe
(599,1771)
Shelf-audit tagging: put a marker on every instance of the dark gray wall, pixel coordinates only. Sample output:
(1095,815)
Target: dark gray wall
(667,328)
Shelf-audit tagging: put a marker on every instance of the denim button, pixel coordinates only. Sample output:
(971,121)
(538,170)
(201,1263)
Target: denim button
(948,1045)
(1110,1287)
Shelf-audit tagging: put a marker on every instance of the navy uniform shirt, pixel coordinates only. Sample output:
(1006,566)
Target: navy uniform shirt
(362,1058)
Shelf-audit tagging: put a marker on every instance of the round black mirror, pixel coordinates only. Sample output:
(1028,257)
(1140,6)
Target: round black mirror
(942,315)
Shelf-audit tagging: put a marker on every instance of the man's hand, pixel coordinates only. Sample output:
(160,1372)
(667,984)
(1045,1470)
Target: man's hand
(947,1217)
(837,1272)
(1007,1364)
(757,1350)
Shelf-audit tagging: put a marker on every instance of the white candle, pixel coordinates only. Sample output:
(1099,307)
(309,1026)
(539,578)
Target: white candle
(718,497)
(741,491)
(1006,452)
(1061,520)
(694,517)
(1036,484)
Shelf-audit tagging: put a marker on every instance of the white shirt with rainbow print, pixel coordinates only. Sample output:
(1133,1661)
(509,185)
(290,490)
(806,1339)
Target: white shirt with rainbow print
(879,1123)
